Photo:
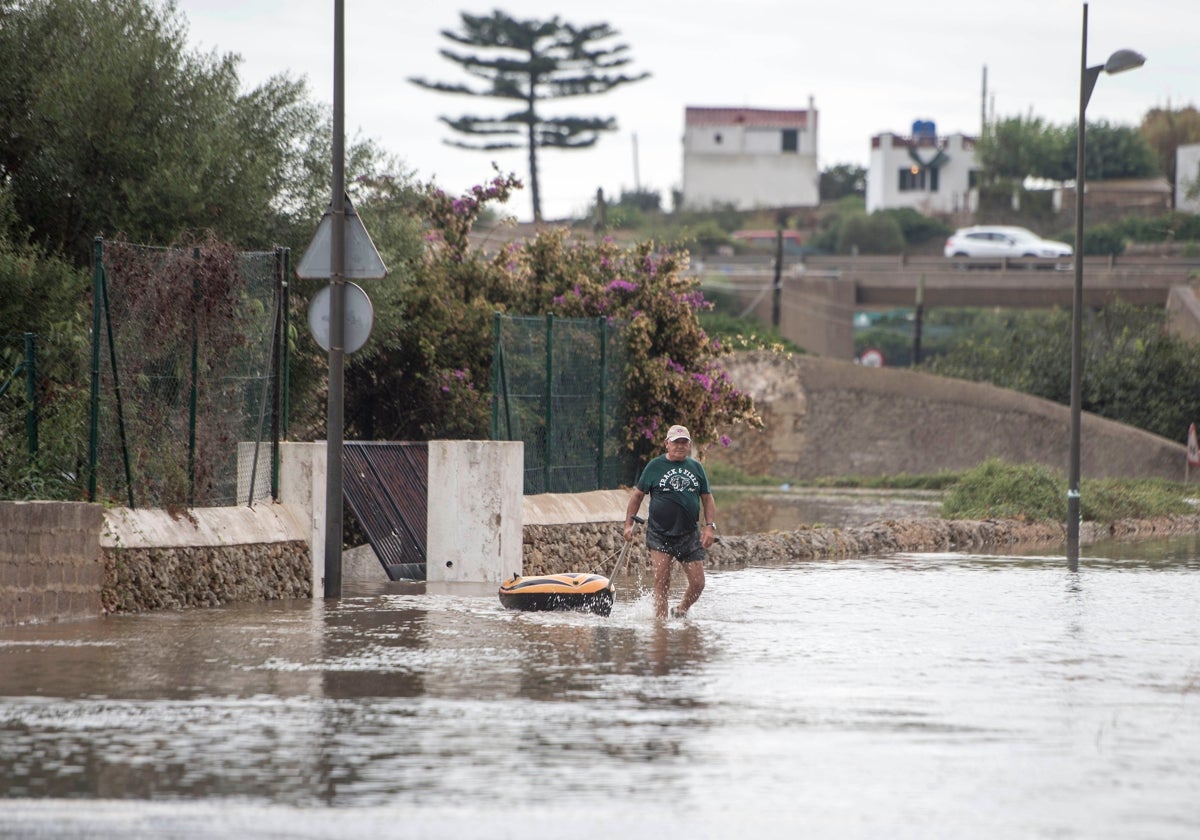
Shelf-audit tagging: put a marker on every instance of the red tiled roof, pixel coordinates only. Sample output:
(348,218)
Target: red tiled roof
(761,117)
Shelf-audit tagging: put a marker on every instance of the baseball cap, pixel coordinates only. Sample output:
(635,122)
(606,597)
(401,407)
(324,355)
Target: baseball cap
(677,432)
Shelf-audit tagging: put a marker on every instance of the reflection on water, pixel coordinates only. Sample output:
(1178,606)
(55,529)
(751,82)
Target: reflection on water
(911,696)
(750,511)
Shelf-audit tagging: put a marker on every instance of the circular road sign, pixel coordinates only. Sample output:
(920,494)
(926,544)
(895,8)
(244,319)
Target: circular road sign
(871,358)
(359,318)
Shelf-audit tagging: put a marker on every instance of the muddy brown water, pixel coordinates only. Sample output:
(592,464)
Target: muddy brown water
(916,695)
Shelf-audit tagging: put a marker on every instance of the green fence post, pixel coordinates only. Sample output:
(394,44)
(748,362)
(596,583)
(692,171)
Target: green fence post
(94,408)
(495,376)
(274,372)
(602,322)
(286,348)
(31,431)
(549,445)
(191,469)
(112,361)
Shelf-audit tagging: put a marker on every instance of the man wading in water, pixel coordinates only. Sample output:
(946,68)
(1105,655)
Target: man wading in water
(678,490)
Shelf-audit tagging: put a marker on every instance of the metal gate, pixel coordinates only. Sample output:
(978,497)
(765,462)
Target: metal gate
(386,486)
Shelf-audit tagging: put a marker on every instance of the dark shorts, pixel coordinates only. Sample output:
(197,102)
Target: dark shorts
(685,549)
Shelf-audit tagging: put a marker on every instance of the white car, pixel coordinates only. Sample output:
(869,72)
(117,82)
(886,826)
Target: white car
(1003,241)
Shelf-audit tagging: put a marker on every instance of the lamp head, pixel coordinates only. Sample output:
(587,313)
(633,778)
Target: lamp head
(1123,60)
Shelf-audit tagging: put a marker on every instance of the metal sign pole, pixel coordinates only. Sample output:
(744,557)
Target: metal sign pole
(337,322)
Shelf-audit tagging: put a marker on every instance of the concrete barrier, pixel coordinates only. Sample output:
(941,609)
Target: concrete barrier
(473,531)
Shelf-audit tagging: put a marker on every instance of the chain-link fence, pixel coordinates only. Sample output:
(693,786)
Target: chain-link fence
(186,396)
(559,386)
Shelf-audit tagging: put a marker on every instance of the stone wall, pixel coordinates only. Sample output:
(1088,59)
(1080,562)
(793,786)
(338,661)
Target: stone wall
(830,418)
(204,557)
(67,561)
(594,547)
(50,567)
(139,579)
(582,547)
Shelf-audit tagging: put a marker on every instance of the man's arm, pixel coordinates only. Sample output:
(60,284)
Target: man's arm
(635,502)
(708,508)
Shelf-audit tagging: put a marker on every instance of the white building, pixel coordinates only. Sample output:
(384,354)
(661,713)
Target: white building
(931,174)
(1187,178)
(750,158)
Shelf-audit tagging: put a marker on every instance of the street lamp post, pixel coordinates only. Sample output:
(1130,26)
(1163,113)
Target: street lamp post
(1118,62)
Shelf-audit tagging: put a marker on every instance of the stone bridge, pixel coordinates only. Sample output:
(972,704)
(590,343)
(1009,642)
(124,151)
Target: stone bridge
(818,296)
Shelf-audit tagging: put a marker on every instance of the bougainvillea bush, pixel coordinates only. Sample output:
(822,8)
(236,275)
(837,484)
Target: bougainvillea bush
(432,376)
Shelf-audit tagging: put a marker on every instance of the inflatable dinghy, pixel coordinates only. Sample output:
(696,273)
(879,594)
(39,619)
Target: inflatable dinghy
(577,591)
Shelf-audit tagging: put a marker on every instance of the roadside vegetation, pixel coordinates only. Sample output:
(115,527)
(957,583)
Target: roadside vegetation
(998,490)
(1034,492)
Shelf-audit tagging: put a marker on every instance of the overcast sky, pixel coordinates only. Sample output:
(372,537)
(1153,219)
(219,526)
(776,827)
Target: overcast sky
(870,66)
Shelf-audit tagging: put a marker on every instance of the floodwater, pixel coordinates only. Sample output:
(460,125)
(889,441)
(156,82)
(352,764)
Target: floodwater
(914,696)
(760,510)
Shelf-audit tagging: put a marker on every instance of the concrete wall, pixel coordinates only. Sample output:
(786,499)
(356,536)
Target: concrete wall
(826,418)
(302,480)
(50,568)
(473,529)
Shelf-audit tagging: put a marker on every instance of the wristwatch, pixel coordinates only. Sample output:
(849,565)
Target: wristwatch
(712,525)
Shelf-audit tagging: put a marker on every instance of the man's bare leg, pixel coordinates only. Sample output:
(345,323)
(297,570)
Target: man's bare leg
(662,581)
(695,578)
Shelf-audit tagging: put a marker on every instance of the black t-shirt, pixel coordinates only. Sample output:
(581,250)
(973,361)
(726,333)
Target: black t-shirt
(675,488)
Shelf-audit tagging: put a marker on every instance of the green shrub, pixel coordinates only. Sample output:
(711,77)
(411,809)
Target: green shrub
(996,490)
(878,233)
(1103,240)
(1110,499)
(918,229)
(1034,492)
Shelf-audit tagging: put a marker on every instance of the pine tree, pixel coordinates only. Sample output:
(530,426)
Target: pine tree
(530,62)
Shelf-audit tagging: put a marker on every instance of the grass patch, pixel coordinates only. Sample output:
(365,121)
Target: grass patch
(901,481)
(729,476)
(1034,492)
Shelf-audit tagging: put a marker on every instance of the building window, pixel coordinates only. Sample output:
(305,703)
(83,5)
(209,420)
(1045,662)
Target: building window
(791,140)
(911,181)
(916,181)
